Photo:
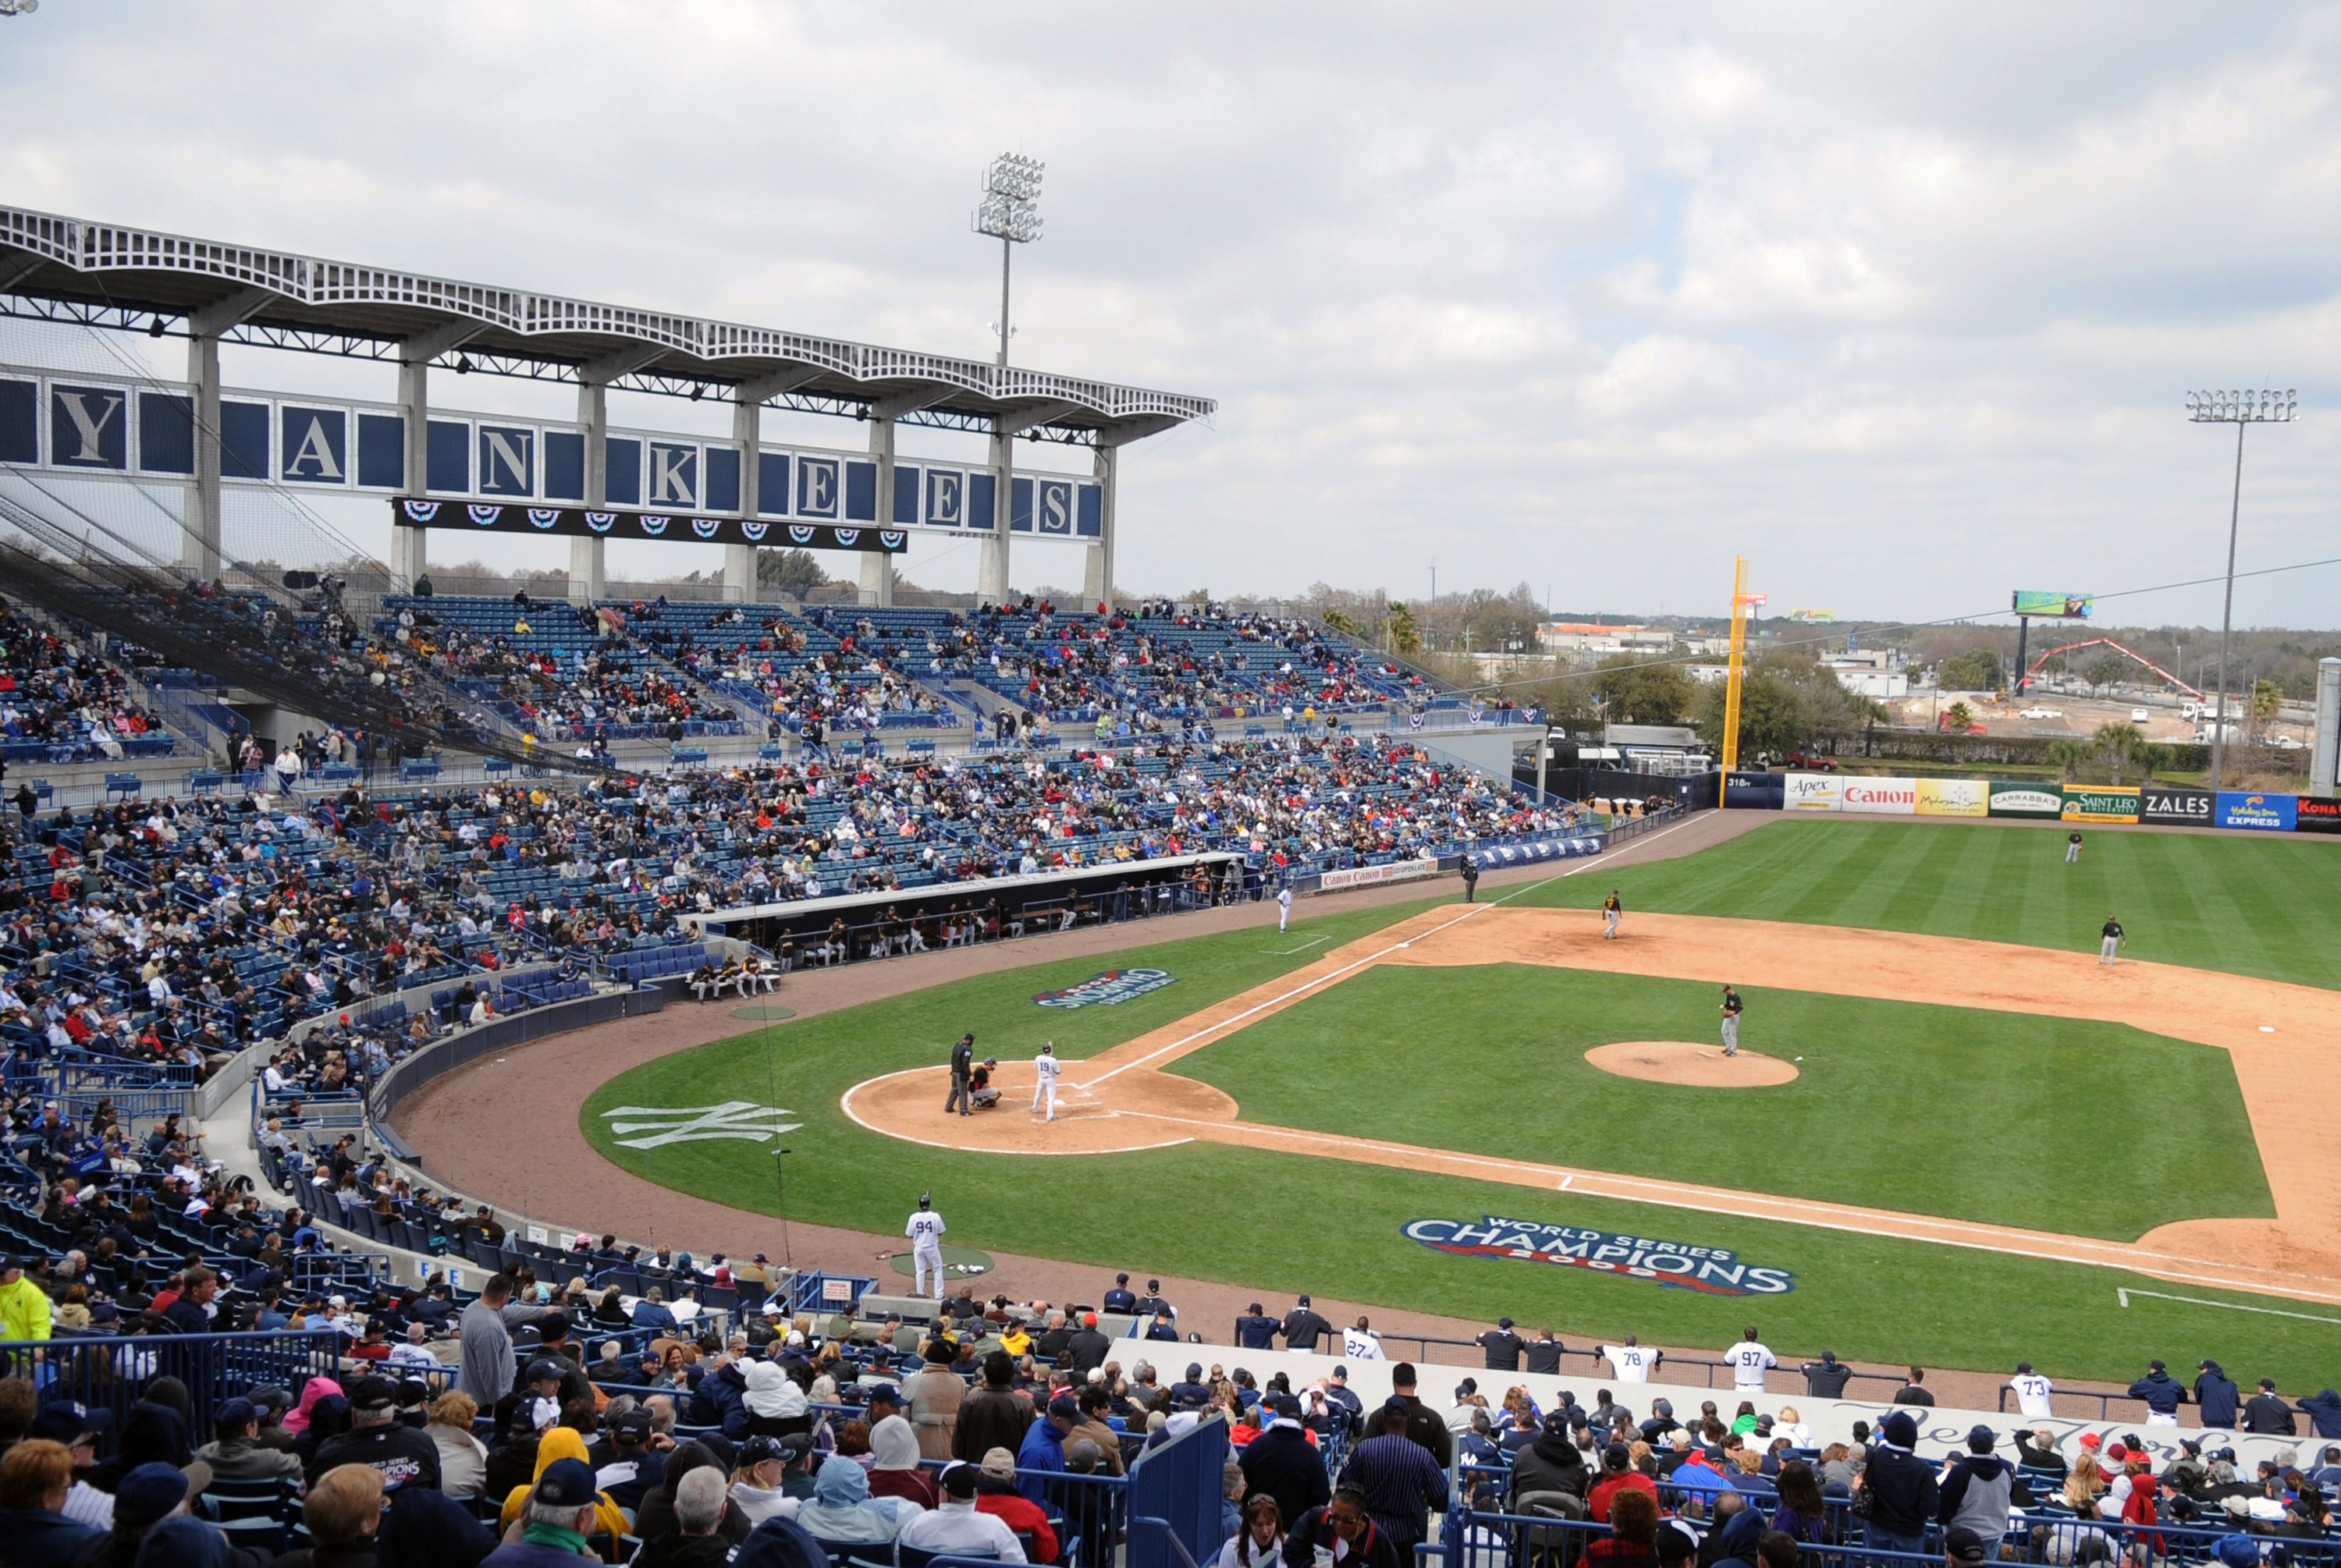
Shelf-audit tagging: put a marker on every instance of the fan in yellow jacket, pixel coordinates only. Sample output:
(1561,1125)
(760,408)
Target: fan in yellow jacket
(24,1305)
(562,1443)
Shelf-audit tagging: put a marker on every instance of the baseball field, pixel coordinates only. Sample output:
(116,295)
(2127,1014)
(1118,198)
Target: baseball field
(1955,1136)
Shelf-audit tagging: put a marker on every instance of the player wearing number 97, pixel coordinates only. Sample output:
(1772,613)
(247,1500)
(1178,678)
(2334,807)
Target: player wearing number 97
(1749,1361)
(925,1230)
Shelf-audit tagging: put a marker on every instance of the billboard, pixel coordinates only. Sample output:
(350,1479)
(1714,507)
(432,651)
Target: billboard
(2026,801)
(1880,797)
(2100,803)
(1812,792)
(1954,797)
(2312,814)
(2269,813)
(2174,805)
(2061,606)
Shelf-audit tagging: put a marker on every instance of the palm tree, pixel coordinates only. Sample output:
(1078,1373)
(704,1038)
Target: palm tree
(2068,758)
(1960,716)
(2118,746)
(1404,637)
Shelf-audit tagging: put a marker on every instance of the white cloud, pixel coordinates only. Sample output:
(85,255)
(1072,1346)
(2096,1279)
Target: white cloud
(1900,302)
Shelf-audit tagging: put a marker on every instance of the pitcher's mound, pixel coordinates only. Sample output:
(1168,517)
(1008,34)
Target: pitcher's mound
(1680,1062)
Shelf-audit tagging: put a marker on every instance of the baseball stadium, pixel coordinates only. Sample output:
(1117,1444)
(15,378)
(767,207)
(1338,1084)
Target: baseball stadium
(595,964)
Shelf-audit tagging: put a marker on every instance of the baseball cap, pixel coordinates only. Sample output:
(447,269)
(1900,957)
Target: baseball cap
(1556,1424)
(1255,1306)
(2023,1368)
(1341,1373)
(374,1395)
(61,1424)
(883,1392)
(1980,1438)
(1503,1323)
(1962,1544)
(1063,1405)
(1194,1371)
(762,1447)
(635,1423)
(2236,1552)
(2090,1440)
(544,1369)
(268,1396)
(2267,1383)
(1469,1385)
(959,1480)
(1000,1464)
(566,1483)
(235,1412)
(1286,1404)
(2154,1366)
(150,1492)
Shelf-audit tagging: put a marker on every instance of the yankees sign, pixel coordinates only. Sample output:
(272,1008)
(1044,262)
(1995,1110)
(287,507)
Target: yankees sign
(663,1124)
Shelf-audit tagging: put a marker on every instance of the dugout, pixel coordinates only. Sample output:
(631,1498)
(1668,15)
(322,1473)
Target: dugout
(1040,901)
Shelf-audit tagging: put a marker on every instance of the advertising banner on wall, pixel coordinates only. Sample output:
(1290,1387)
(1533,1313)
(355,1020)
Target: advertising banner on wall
(1880,797)
(2267,813)
(2174,805)
(1812,792)
(2026,801)
(2100,803)
(2313,815)
(1954,797)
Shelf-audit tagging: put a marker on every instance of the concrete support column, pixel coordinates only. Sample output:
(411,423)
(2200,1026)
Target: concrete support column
(1097,580)
(878,569)
(588,570)
(408,553)
(748,435)
(992,576)
(199,543)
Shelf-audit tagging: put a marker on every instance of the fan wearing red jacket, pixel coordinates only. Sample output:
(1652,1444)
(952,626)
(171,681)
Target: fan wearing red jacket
(995,1493)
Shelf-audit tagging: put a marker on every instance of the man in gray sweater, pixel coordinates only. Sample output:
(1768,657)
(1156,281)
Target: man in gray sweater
(1976,1492)
(487,1371)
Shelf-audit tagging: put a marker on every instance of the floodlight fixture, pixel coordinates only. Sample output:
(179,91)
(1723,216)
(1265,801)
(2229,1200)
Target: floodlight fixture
(18,7)
(1010,214)
(2238,407)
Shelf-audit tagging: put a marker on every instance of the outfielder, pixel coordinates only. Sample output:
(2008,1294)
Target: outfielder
(1730,1022)
(926,1233)
(1611,909)
(1045,1067)
(1283,907)
(2109,941)
(2072,847)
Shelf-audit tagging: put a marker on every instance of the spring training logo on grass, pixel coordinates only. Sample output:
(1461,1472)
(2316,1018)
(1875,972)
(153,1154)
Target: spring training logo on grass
(1104,991)
(1710,1270)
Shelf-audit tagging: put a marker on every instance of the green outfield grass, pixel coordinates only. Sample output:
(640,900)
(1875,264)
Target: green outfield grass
(2255,904)
(1923,1109)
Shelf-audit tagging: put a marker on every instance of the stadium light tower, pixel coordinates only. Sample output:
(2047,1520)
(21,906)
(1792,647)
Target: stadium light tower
(2238,409)
(1010,214)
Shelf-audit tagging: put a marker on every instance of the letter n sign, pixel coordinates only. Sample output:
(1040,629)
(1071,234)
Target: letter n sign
(313,445)
(507,460)
(88,427)
(818,487)
(1053,506)
(674,475)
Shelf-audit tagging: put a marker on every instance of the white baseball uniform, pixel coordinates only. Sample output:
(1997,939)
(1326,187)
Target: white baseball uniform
(1360,1345)
(2031,1395)
(1634,1361)
(1283,907)
(1749,1361)
(1046,1067)
(926,1233)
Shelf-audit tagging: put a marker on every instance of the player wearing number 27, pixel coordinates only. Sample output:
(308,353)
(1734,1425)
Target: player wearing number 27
(925,1230)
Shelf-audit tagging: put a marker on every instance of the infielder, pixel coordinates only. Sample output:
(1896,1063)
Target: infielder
(1611,909)
(926,1233)
(1283,907)
(1730,1022)
(2109,941)
(1046,1067)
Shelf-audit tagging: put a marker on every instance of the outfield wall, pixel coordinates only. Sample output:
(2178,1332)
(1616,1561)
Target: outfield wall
(1942,1428)
(2151,805)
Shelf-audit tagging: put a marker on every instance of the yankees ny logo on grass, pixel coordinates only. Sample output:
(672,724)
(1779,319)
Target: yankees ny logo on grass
(697,1124)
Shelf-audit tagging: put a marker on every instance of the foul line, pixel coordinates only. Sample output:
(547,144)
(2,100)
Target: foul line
(2229,1306)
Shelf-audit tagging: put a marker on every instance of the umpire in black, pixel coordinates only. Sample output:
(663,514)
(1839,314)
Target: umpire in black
(1470,881)
(963,1096)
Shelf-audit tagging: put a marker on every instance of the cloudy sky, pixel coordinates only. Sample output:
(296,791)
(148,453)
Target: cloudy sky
(1900,302)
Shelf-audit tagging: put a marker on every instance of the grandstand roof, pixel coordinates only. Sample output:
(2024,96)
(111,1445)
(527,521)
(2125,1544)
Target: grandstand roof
(107,274)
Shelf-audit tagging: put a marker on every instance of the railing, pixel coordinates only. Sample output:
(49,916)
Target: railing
(108,1372)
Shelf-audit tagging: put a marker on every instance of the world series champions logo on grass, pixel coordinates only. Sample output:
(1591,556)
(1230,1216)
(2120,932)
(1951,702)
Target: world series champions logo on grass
(1103,990)
(1710,1270)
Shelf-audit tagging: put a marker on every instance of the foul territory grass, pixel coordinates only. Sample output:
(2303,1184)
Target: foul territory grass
(1287,1224)
(2252,904)
(1922,1109)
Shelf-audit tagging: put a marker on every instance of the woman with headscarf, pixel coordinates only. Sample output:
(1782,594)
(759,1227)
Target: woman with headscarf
(894,1463)
(842,1510)
(655,1517)
(296,1420)
(562,1442)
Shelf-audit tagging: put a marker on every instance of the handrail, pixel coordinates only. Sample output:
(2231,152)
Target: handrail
(1185,1558)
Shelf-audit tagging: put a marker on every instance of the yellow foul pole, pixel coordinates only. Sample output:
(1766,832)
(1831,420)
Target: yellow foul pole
(1739,601)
